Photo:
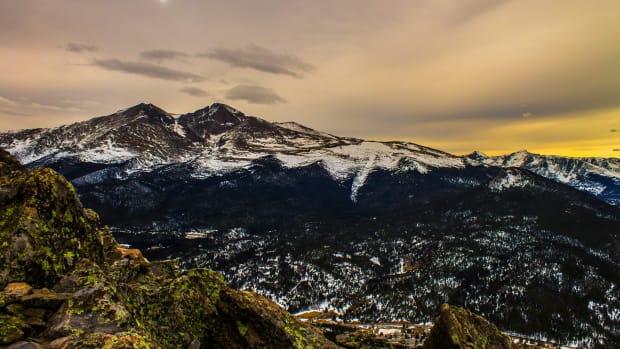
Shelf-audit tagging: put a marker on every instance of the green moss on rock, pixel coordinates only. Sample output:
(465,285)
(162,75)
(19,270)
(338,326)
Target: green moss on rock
(43,227)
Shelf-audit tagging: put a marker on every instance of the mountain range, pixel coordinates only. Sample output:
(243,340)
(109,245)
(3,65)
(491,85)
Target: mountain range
(219,139)
(375,231)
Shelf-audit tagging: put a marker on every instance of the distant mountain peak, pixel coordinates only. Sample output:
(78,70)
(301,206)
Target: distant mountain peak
(148,111)
(228,108)
(521,152)
(213,119)
(477,155)
(142,107)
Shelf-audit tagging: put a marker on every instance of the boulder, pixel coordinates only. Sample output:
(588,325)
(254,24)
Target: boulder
(458,328)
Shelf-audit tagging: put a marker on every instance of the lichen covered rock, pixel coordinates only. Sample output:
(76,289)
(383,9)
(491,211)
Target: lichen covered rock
(43,228)
(459,328)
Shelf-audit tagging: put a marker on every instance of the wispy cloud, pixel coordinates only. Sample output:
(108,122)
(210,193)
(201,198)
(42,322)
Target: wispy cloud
(23,105)
(254,94)
(261,59)
(7,101)
(194,91)
(163,55)
(80,48)
(147,69)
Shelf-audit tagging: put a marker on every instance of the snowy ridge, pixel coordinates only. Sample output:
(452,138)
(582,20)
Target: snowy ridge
(219,139)
(597,176)
(214,140)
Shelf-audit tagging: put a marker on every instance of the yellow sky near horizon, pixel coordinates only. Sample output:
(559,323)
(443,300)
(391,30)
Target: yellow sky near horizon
(494,76)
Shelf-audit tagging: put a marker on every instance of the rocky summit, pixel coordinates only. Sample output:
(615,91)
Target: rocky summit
(68,284)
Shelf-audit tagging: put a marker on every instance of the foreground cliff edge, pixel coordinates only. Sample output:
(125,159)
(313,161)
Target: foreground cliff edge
(67,283)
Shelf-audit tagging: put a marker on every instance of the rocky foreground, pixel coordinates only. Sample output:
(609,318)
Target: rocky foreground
(67,284)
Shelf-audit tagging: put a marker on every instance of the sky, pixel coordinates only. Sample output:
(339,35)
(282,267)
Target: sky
(496,76)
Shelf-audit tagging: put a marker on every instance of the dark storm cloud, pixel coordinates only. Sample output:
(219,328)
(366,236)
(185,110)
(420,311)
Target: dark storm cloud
(261,59)
(147,69)
(80,48)
(194,91)
(254,94)
(163,55)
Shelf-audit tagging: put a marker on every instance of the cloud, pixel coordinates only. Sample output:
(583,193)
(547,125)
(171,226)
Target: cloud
(147,69)
(254,94)
(194,91)
(163,55)
(20,105)
(613,130)
(528,114)
(616,149)
(80,48)
(261,59)
(7,101)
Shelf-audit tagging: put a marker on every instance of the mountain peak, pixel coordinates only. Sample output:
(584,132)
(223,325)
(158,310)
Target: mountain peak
(145,107)
(213,119)
(477,155)
(224,113)
(521,152)
(218,105)
(149,111)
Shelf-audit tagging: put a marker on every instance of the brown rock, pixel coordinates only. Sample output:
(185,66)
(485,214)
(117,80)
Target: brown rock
(15,290)
(457,328)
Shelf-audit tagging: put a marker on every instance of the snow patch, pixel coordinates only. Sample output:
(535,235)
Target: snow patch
(178,129)
(361,177)
(509,179)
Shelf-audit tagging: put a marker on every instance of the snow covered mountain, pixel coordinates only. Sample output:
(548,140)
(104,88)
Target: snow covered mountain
(375,231)
(219,139)
(597,176)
